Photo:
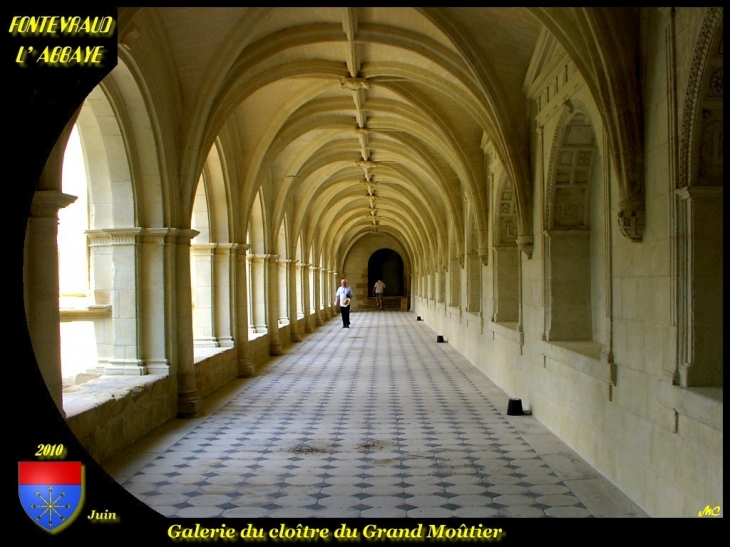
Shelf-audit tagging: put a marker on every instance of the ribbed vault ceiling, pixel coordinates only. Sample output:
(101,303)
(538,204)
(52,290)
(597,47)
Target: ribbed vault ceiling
(351,120)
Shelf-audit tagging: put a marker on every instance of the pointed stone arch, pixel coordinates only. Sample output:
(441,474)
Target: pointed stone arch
(388,265)
(699,216)
(574,174)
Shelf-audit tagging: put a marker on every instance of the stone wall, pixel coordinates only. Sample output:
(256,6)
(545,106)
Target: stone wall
(111,413)
(606,391)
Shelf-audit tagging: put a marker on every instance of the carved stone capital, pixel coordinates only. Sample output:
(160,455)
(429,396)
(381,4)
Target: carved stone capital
(156,236)
(114,236)
(241,248)
(47,203)
(203,249)
(632,219)
(225,248)
(263,259)
(185,236)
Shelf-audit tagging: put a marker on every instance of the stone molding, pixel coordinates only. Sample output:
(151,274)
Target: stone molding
(131,236)
(699,192)
(203,249)
(158,236)
(114,236)
(184,237)
(692,99)
(241,249)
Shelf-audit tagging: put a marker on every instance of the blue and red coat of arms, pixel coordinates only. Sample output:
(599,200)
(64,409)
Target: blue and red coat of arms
(51,493)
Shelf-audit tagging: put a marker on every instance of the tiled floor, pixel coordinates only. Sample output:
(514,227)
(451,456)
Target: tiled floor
(375,421)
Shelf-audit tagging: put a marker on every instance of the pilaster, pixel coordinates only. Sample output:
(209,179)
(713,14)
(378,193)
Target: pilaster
(116,280)
(203,275)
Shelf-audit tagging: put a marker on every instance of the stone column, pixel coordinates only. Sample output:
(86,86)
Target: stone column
(158,250)
(283,267)
(306,296)
(317,295)
(203,294)
(246,367)
(299,287)
(293,271)
(326,300)
(259,290)
(223,283)
(40,286)
(272,294)
(188,399)
(327,293)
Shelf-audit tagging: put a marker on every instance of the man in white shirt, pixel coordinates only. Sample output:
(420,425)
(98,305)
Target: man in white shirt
(343,297)
(378,290)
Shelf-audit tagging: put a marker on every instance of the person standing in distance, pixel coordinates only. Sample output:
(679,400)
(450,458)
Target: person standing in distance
(343,296)
(378,290)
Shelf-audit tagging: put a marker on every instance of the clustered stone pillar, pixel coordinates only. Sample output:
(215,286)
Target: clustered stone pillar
(246,367)
(323,295)
(156,283)
(306,297)
(223,281)
(272,267)
(188,399)
(317,294)
(259,290)
(294,273)
(285,292)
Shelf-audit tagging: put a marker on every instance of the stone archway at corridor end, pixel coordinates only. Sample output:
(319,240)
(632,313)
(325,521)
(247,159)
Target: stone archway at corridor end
(387,264)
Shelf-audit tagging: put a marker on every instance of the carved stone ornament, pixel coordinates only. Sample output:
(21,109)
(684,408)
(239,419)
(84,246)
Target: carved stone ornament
(526,244)
(354,83)
(632,220)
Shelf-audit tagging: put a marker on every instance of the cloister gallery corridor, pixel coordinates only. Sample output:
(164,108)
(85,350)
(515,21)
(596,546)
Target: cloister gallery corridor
(376,421)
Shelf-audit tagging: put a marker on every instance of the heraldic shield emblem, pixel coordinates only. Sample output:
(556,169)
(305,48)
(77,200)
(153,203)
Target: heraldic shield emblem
(51,493)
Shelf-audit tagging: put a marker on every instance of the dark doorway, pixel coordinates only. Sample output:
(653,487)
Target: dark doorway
(386,264)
